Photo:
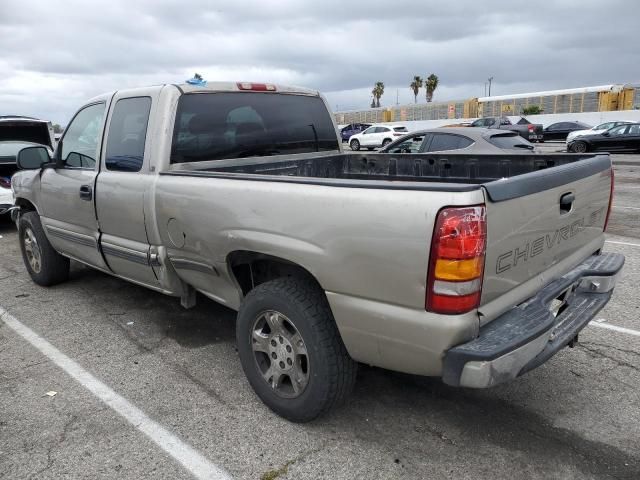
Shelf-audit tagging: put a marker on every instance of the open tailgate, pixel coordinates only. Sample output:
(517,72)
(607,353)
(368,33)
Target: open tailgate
(540,225)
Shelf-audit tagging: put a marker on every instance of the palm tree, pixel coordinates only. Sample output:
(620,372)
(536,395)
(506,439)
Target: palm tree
(415,86)
(431,83)
(378,91)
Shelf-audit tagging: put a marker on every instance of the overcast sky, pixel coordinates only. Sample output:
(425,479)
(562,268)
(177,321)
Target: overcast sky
(56,54)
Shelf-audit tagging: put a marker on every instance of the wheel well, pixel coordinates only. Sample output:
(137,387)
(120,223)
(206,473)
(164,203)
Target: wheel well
(250,269)
(25,205)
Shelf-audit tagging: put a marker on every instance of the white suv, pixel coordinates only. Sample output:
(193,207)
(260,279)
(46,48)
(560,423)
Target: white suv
(376,136)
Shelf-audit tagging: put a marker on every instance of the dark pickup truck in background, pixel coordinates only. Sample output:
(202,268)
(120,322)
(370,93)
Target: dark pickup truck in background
(534,132)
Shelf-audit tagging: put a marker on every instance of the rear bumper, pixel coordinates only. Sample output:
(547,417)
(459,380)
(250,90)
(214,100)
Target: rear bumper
(528,335)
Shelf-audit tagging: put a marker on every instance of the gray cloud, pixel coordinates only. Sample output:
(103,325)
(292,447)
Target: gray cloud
(54,55)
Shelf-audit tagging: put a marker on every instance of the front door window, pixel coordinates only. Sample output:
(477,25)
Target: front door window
(79,146)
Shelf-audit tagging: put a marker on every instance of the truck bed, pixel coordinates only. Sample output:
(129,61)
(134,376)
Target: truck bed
(448,172)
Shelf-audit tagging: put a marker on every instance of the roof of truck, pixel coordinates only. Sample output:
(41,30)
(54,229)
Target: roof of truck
(20,118)
(211,87)
(244,87)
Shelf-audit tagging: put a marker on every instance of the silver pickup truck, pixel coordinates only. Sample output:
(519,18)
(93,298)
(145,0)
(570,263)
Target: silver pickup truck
(475,269)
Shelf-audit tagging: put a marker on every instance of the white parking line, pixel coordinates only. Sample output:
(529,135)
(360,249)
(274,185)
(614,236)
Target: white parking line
(623,243)
(601,324)
(199,466)
(628,208)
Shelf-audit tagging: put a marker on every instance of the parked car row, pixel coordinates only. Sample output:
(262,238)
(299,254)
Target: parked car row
(624,137)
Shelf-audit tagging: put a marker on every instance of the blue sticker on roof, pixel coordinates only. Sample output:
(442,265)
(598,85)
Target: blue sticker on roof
(197,80)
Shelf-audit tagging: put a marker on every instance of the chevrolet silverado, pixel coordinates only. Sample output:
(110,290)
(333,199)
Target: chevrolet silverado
(472,268)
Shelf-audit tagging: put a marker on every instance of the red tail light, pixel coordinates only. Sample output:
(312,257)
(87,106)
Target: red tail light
(456,263)
(531,128)
(256,87)
(6,183)
(606,220)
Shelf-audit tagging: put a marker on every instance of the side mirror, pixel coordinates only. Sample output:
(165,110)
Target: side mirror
(606,134)
(32,158)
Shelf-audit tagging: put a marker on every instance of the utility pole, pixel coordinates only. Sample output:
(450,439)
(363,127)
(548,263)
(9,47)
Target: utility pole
(485,89)
(397,96)
(490,79)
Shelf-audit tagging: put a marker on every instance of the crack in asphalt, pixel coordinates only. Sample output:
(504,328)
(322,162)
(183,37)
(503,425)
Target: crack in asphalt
(596,353)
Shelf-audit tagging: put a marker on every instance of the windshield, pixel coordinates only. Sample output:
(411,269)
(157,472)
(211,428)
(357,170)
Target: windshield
(215,126)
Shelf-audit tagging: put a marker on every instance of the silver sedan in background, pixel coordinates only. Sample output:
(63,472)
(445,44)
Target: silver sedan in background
(462,140)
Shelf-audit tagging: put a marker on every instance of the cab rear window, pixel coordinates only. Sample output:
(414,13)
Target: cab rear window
(216,126)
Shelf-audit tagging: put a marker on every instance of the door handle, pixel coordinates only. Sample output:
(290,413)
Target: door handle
(566,201)
(86,192)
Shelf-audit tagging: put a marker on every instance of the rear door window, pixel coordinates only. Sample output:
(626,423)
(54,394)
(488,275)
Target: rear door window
(446,141)
(127,134)
(510,142)
(216,126)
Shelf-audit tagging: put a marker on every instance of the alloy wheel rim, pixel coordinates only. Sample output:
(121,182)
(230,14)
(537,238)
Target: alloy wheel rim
(280,354)
(32,250)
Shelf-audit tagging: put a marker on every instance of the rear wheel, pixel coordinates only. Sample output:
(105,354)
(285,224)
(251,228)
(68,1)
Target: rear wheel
(45,266)
(355,145)
(291,350)
(579,147)
(386,142)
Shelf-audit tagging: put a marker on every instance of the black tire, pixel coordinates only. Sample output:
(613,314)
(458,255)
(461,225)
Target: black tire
(386,142)
(355,145)
(51,267)
(579,147)
(331,372)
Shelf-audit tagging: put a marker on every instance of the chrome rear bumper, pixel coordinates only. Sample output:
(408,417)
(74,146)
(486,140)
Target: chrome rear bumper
(526,336)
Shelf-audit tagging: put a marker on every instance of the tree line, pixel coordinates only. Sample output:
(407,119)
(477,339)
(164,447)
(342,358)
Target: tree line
(430,85)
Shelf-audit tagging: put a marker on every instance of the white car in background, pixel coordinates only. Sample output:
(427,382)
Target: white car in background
(603,127)
(377,136)
(6,195)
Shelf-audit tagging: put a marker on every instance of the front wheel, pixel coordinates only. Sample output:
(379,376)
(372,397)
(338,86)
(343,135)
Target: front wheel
(291,350)
(355,145)
(579,147)
(45,266)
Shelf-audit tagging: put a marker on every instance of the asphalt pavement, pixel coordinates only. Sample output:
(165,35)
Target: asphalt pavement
(122,348)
